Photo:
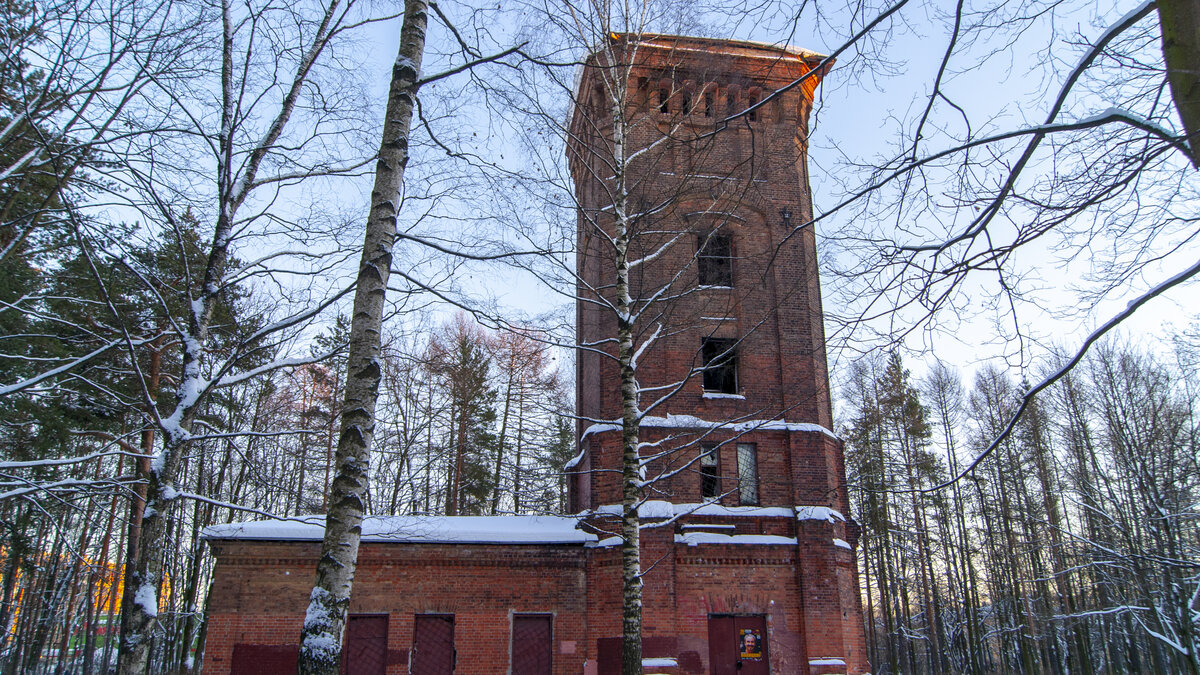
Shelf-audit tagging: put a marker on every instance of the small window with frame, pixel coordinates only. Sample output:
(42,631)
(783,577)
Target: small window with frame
(714,259)
(720,365)
(747,461)
(710,479)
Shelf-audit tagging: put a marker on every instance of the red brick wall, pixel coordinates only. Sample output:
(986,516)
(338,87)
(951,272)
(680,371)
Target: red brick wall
(260,592)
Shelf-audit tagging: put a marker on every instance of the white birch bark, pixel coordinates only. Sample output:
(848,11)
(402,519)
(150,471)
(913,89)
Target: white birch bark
(631,566)
(325,621)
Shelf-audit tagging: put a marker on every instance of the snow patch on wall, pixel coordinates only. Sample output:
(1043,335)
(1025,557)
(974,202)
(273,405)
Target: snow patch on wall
(697,538)
(660,509)
(607,542)
(692,422)
(818,513)
(599,428)
(842,543)
(574,461)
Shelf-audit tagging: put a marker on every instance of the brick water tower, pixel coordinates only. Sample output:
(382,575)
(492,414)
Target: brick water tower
(747,544)
(749,550)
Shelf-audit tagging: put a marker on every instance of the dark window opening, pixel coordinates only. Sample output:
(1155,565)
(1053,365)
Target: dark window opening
(747,459)
(710,482)
(720,365)
(753,114)
(708,105)
(715,259)
(664,100)
(687,103)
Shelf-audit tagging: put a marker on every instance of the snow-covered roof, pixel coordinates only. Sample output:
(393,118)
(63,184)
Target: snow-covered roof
(418,530)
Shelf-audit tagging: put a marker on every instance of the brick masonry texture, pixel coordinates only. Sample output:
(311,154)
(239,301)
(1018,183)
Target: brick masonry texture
(750,181)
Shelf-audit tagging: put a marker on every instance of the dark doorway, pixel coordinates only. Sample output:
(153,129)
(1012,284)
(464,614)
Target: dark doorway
(433,644)
(532,653)
(737,645)
(366,645)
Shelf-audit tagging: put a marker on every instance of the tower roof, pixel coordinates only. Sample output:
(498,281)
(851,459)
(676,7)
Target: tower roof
(723,46)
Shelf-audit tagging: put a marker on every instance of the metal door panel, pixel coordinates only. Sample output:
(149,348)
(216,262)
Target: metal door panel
(365,652)
(433,645)
(737,645)
(532,652)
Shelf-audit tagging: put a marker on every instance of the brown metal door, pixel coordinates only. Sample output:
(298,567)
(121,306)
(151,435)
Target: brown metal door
(264,659)
(737,645)
(531,644)
(365,652)
(433,645)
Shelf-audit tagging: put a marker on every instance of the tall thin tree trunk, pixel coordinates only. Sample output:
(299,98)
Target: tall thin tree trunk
(503,433)
(325,623)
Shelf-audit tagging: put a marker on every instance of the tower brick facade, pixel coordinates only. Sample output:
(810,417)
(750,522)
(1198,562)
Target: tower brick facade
(748,548)
(748,481)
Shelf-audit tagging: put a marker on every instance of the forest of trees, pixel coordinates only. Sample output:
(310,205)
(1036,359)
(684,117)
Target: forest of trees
(270,452)
(1072,547)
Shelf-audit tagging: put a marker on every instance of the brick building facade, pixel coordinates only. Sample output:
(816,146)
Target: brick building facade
(749,554)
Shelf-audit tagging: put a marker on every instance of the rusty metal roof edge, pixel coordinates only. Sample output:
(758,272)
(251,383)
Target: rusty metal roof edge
(649,39)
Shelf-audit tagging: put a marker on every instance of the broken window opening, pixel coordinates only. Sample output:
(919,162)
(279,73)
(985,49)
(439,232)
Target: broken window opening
(715,259)
(747,459)
(720,365)
(710,481)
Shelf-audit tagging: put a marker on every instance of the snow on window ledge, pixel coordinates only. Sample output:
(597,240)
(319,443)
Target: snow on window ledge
(721,394)
(843,543)
(691,422)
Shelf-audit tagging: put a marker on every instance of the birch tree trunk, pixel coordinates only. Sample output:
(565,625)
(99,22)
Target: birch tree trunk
(1180,24)
(631,566)
(325,622)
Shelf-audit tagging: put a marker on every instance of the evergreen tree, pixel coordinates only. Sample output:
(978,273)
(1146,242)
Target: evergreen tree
(458,358)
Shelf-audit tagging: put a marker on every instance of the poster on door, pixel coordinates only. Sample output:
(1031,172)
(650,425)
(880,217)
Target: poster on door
(750,642)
